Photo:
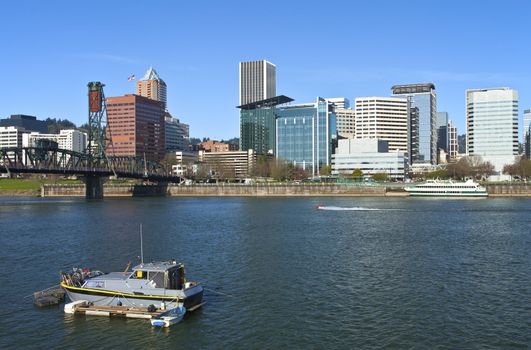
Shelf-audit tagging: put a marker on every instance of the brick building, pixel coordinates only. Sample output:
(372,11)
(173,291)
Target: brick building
(214,146)
(135,124)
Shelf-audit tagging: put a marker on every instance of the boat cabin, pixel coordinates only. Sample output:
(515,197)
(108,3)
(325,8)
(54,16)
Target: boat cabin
(166,274)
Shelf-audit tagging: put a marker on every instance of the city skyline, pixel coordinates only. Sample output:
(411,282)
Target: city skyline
(48,62)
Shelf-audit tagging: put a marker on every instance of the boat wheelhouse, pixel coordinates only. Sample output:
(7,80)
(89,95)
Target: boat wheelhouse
(156,283)
(448,189)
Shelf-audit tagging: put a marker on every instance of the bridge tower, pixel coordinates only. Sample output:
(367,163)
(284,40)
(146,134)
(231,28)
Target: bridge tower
(96,138)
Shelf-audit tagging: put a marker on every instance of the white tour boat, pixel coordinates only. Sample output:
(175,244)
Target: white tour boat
(448,189)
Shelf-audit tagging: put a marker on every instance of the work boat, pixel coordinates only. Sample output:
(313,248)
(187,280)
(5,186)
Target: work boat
(153,283)
(448,189)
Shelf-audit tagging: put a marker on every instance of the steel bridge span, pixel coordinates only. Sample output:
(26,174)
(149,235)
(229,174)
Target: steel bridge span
(94,171)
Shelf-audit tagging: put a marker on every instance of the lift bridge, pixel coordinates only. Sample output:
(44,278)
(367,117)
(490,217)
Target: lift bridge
(94,166)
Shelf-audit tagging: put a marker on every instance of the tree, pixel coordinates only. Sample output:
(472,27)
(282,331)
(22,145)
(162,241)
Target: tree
(437,174)
(357,173)
(263,166)
(470,166)
(521,167)
(325,170)
(380,177)
(168,162)
(282,170)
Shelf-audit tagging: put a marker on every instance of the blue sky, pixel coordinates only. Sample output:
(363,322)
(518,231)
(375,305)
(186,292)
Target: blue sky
(50,50)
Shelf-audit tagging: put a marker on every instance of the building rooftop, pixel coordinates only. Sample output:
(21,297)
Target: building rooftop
(412,88)
(151,74)
(270,102)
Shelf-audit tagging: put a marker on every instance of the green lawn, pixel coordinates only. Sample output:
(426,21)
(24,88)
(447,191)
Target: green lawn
(29,184)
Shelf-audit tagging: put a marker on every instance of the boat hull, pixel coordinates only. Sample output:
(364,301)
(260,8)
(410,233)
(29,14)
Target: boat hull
(442,194)
(192,296)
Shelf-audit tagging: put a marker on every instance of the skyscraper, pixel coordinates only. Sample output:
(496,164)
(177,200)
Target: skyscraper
(442,135)
(177,134)
(257,81)
(527,133)
(453,147)
(492,125)
(306,135)
(385,118)
(152,86)
(423,97)
(135,127)
(257,124)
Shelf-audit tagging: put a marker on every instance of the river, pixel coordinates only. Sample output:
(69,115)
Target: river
(408,274)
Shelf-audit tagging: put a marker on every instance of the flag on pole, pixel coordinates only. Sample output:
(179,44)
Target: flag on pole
(131,77)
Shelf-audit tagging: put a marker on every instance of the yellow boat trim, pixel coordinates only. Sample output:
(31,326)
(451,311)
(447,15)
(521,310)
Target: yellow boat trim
(143,296)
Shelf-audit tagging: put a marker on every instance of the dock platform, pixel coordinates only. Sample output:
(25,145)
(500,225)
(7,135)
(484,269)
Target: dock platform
(83,307)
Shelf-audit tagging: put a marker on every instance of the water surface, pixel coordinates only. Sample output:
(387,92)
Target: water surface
(414,274)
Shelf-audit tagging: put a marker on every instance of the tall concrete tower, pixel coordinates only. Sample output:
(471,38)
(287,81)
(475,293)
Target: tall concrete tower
(257,81)
(152,86)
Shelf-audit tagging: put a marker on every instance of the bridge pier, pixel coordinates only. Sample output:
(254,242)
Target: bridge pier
(94,186)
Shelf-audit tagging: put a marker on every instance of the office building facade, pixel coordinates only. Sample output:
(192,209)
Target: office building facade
(423,96)
(527,133)
(385,118)
(11,136)
(453,147)
(135,127)
(257,81)
(214,146)
(228,165)
(177,134)
(306,135)
(258,124)
(442,130)
(339,102)
(492,125)
(27,122)
(71,140)
(346,122)
(152,86)
(371,156)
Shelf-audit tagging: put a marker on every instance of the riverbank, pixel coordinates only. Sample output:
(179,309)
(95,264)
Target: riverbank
(263,190)
(75,188)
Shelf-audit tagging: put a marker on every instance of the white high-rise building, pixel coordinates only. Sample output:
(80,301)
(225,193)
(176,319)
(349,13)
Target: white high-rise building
(346,122)
(453,147)
(385,118)
(72,140)
(492,125)
(11,136)
(257,81)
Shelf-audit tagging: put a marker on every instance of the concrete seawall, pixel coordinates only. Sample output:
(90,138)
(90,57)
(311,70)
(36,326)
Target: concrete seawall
(506,190)
(234,190)
(262,190)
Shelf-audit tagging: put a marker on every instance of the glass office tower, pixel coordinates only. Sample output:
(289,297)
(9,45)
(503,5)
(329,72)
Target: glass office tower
(258,126)
(527,133)
(423,97)
(492,125)
(306,134)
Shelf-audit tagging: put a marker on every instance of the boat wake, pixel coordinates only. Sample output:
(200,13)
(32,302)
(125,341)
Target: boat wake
(326,207)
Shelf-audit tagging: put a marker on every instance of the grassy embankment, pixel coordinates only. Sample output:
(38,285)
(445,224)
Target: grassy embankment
(32,186)
(27,187)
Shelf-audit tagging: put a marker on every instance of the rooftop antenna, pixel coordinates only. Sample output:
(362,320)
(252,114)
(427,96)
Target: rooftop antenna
(141,247)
